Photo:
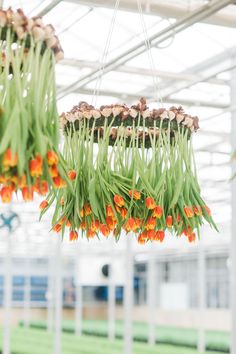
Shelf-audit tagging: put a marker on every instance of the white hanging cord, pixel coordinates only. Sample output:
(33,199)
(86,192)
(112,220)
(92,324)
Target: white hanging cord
(156,82)
(104,56)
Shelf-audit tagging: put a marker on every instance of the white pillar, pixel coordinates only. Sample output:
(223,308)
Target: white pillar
(201,297)
(7,296)
(50,289)
(151,296)
(128,296)
(111,295)
(58,297)
(78,295)
(27,285)
(233,225)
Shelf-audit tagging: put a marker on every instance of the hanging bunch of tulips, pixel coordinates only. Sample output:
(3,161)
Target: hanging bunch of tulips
(132,170)
(29,131)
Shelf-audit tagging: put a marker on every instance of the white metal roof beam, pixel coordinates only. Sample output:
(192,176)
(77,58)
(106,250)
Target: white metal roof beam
(156,39)
(130,98)
(198,69)
(141,71)
(161,9)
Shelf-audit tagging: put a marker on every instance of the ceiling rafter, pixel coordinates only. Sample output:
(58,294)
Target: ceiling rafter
(81,64)
(162,9)
(196,16)
(130,98)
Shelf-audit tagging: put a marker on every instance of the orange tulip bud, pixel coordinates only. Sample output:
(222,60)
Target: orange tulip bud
(119,200)
(91,233)
(9,160)
(68,223)
(160,235)
(142,238)
(192,237)
(53,170)
(59,182)
(197,210)
(157,212)
(109,211)
(150,224)
(104,230)
(135,194)
(87,209)
(151,235)
(208,210)
(6,194)
(52,158)
(111,223)
(130,225)
(72,175)
(35,167)
(43,205)
(27,193)
(57,228)
(150,203)
(188,212)
(73,236)
(169,221)
(22,181)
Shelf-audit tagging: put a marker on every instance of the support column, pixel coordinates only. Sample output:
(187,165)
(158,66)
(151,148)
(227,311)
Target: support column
(78,295)
(27,285)
(201,297)
(111,295)
(151,296)
(50,290)
(128,296)
(58,298)
(7,296)
(233,224)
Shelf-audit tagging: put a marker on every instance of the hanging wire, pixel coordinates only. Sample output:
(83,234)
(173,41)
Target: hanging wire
(104,55)
(156,82)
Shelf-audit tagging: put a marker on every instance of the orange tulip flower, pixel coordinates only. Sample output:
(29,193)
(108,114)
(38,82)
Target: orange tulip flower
(43,205)
(188,212)
(157,212)
(53,171)
(150,203)
(197,210)
(27,193)
(52,158)
(72,174)
(119,200)
(73,236)
(109,211)
(9,160)
(57,228)
(6,194)
(59,182)
(150,224)
(104,230)
(135,194)
(169,221)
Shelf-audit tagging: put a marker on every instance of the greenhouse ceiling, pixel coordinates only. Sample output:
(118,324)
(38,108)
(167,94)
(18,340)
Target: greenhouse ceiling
(193,58)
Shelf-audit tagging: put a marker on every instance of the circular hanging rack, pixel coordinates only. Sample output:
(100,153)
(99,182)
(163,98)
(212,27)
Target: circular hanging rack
(125,120)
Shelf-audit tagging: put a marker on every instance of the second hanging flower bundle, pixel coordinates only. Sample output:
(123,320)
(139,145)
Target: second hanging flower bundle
(132,170)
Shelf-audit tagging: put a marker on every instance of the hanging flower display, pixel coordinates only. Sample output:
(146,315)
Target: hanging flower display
(132,169)
(29,160)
